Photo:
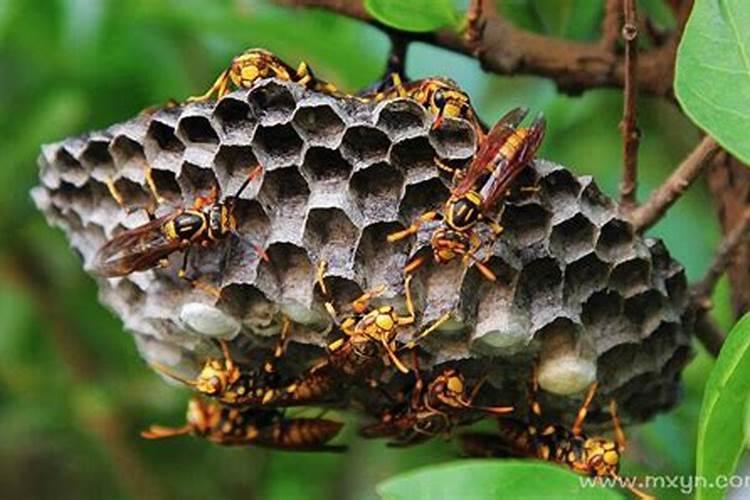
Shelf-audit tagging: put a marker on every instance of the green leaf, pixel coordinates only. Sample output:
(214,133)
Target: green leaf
(721,427)
(413,15)
(712,79)
(486,479)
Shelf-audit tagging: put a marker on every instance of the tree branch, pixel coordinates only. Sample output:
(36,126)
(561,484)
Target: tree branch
(668,193)
(729,184)
(508,50)
(611,23)
(631,135)
(725,252)
(709,333)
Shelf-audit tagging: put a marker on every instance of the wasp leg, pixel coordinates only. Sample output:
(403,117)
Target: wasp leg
(160,432)
(470,258)
(362,303)
(195,283)
(392,356)
(437,324)
(619,433)
(425,217)
(412,317)
(149,175)
(583,410)
(117,196)
(304,75)
(286,328)
(320,272)
(219,88)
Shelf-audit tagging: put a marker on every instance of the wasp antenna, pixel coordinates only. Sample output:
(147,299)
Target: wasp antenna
(250,178)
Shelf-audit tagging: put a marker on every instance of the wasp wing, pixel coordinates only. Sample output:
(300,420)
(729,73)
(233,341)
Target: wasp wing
(136,249)
(489,149)
(508,168)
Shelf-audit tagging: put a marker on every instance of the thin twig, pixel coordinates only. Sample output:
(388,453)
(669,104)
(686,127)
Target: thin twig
(509,50)
(611,24)
(703,290)
(670,191)
(709,333)
(631,135)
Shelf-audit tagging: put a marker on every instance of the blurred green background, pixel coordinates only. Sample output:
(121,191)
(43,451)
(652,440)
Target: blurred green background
(73,392)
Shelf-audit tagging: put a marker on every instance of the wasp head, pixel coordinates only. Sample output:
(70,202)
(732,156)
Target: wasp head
(602,457)
(445,99)
(215,377)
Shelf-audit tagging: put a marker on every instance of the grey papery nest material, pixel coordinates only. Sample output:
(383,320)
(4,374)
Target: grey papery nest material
(576,287)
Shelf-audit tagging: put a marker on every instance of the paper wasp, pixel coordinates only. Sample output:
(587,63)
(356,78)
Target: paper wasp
(256,64)
(440,96)
(591,456)
(502,155)
(148,245)
(243,386)
(372,326)
(265,428)
(432,409)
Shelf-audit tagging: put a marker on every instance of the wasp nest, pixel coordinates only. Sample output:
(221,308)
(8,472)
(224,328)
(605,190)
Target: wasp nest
(576,287)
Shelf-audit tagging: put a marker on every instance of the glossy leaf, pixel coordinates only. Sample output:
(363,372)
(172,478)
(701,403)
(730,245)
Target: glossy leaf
(721,428)
(413,15)
(490,479)
(712,79)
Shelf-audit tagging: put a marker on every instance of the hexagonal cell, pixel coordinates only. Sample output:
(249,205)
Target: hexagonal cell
(252,221)
(662,341)
(125,152)
(605,323)
(422,197)
(677,289)
(319,124)
(572,238)
(162,146)
(538,282)
(323,164)
(645,311)
(167,186)
(615,240)
(453,139)
(331,235)
(282,187)
(196,181)
(594,204)
(411,154)
(280,145)
(373,247)
(197,130)
(271,102)
(525,224)
(96,156)
(402,117)
(164,137)
(610,363)
(134,195)
(364,145)
(631,277)
(583,276)
(290,269)
(71,170)
(377,190)
(240,300)
(235,119)
(560,187)
(232,165)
